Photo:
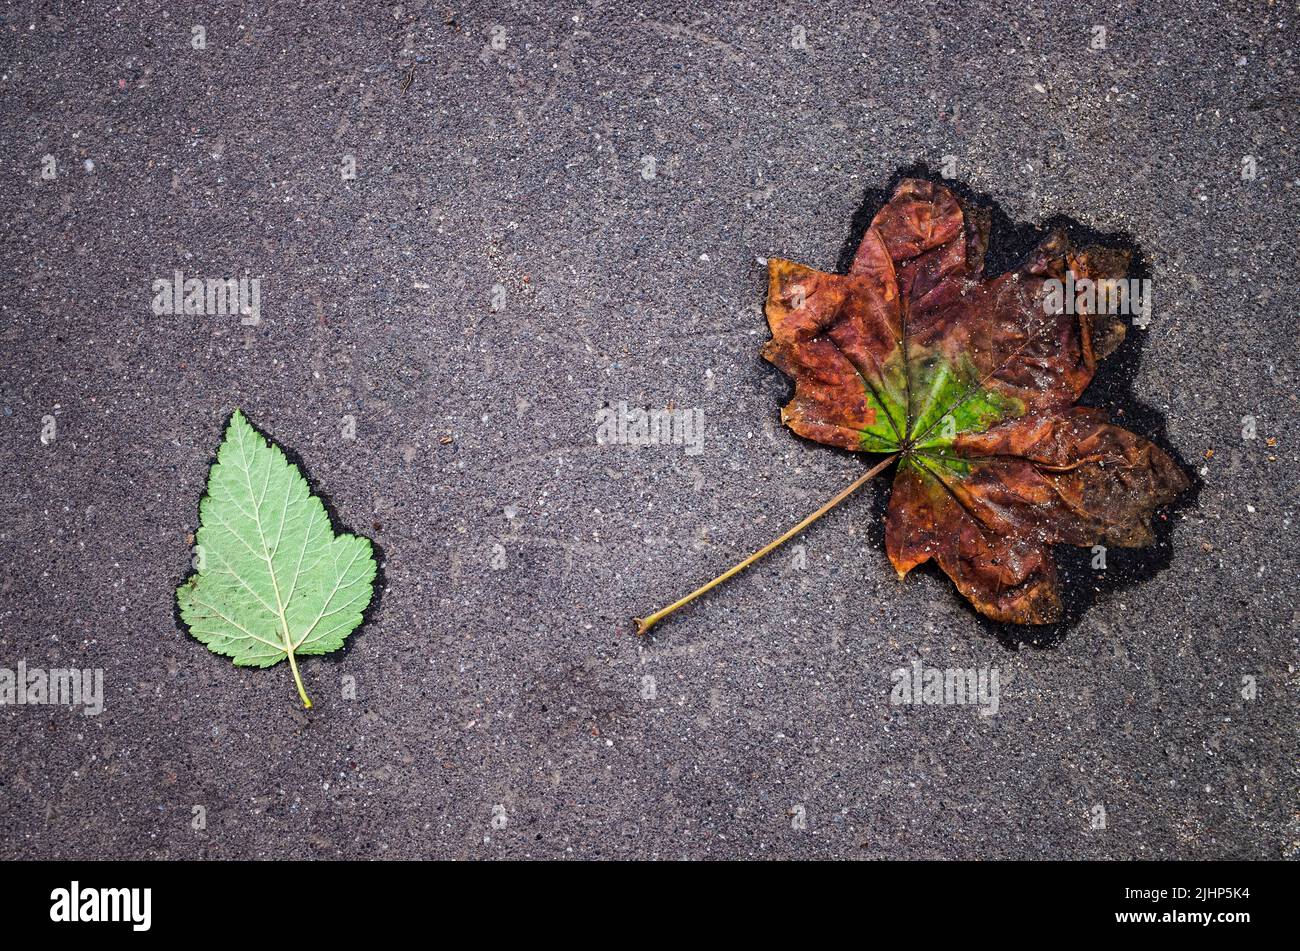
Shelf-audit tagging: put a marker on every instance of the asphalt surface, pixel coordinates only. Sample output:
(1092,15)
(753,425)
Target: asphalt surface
(503,706)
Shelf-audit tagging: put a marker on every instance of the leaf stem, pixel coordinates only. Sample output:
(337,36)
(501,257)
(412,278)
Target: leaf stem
(293,665)
(644,624)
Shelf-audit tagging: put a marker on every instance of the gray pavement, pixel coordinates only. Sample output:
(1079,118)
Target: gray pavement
(617,170)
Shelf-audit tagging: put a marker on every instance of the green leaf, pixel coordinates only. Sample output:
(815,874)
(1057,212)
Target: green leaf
(273,580)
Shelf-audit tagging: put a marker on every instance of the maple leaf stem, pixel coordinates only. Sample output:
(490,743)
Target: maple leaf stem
(293,665)
(644,624)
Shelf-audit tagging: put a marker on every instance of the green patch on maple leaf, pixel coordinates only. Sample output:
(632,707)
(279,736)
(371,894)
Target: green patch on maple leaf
(273,580)
(949,400)
(928,408)
(883,434)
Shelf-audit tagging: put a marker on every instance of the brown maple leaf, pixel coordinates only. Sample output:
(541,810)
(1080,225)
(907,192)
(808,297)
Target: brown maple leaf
(970,384)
